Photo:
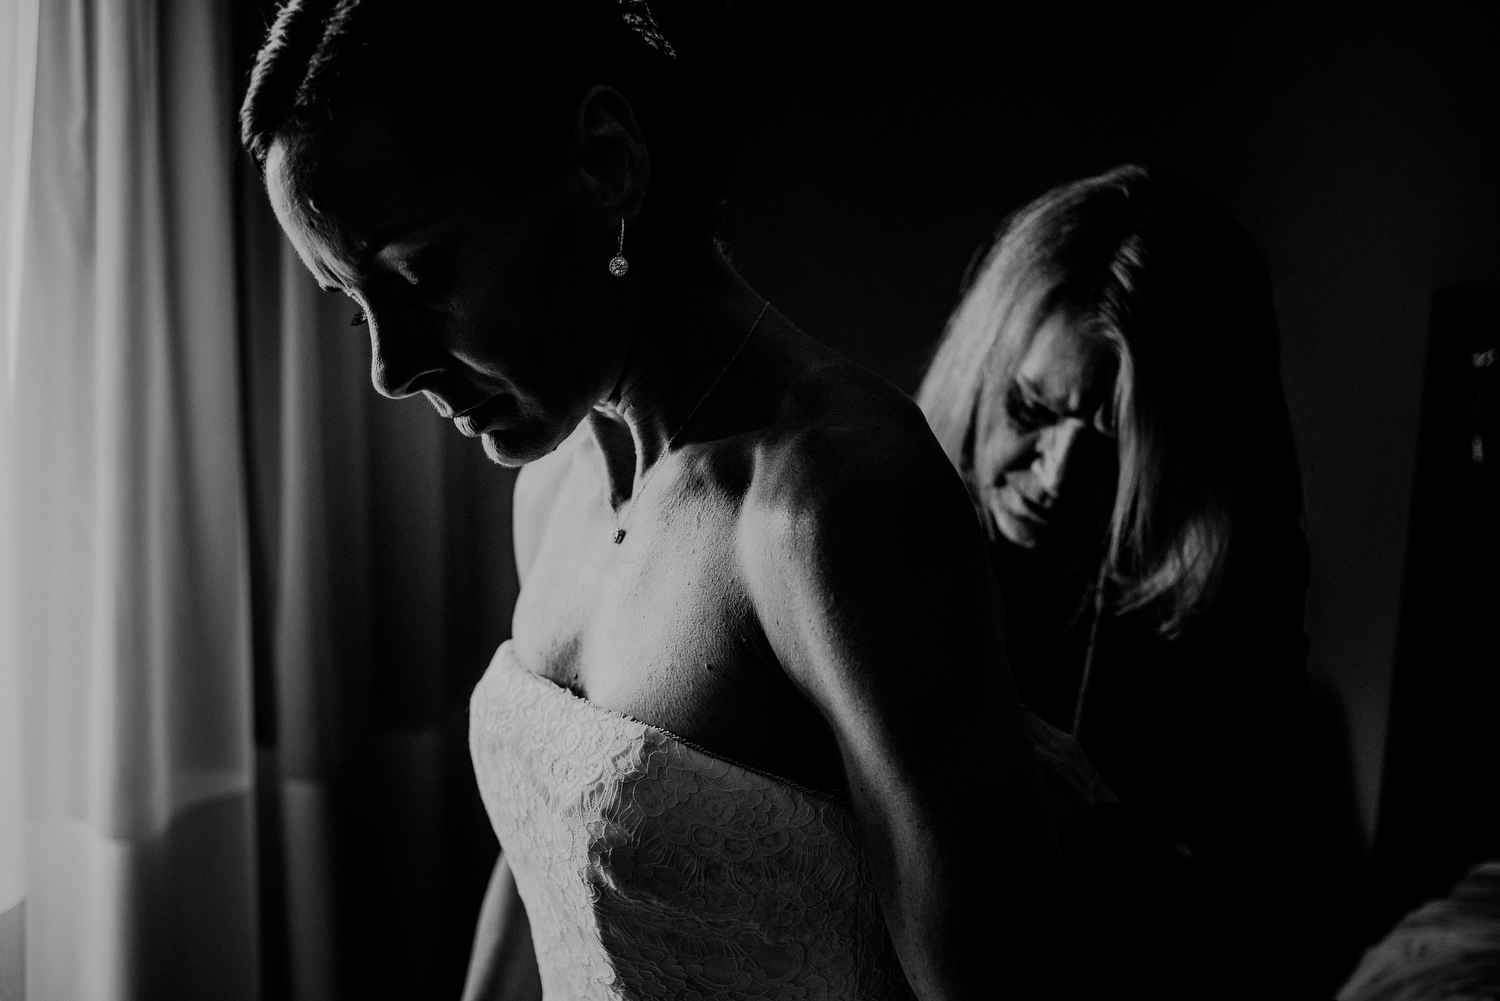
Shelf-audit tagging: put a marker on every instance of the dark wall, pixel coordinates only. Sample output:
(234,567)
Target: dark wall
(1353,144)
(1440,795)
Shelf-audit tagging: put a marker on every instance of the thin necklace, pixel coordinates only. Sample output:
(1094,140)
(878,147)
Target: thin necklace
(620,525)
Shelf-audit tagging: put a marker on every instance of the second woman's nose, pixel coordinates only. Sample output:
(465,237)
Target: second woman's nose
(1056,455)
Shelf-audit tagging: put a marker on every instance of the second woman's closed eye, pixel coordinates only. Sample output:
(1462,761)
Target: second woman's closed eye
(1026,413)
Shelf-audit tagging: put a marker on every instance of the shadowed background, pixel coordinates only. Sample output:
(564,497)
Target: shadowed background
(881,151)
(1354,145)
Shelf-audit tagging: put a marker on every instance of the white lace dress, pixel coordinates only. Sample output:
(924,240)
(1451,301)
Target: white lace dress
(652,869)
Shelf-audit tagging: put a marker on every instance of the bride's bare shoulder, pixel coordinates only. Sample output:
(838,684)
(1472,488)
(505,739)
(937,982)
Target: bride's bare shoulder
(855,525)
(851,454)
(538,487)
(842,428)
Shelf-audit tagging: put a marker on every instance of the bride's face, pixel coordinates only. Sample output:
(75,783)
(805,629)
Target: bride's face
(491,298)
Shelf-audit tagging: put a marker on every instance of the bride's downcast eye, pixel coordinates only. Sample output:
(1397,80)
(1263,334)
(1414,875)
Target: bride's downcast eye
(429,272)
(358,319)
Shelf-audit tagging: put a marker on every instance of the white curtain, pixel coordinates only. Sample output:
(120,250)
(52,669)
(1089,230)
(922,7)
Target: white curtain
(126,825)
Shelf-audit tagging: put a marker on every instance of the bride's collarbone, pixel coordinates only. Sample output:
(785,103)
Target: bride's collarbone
(671,584)
(660,628)
(680,519)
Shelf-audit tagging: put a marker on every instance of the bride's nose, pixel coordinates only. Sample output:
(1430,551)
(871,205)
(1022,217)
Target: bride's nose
(400,357)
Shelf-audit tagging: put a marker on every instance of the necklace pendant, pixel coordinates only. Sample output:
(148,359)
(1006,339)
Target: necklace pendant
(619,536)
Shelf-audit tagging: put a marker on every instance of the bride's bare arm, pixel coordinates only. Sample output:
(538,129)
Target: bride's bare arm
(865,563)
(502,963)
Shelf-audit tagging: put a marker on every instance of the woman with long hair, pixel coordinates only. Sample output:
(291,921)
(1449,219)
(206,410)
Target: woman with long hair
(1109,389)
(753,736)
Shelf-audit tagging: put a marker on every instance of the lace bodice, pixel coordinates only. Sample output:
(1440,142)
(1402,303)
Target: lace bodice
(653,869)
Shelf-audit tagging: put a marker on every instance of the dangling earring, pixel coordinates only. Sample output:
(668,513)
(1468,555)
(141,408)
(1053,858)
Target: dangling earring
(618,265)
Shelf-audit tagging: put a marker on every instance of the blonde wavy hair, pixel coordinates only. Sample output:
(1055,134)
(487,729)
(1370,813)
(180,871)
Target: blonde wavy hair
(1166,276)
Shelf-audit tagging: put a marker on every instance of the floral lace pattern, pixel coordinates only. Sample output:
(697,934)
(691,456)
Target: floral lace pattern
(652,869)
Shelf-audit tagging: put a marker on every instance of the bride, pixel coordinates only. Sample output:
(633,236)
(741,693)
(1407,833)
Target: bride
(749,739)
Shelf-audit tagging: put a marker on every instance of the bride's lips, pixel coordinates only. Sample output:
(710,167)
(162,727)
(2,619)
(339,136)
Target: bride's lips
(473,422)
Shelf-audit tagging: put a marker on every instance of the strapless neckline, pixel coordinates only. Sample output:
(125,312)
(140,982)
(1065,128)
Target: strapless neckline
(832,795)
(651,868)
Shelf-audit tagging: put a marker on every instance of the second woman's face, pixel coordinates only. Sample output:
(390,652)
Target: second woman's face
(1045,458)
(495,305)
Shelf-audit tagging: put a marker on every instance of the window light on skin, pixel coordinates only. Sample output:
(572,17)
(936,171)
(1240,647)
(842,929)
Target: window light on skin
(1045,456)
(493,303)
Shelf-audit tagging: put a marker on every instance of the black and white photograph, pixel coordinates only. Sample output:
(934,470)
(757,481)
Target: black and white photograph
(749,500)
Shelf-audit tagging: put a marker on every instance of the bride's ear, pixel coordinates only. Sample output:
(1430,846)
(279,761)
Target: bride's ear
(610,160)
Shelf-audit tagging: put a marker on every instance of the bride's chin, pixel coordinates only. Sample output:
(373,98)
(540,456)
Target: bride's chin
(516,446)
(497,452)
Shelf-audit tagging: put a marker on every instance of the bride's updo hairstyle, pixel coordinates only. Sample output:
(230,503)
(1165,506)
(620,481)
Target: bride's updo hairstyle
(1169,280)
(498,83)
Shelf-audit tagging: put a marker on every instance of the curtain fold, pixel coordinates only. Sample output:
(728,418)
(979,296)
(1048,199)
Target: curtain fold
(305,684)
(383,583)
(124,592)
(242,600)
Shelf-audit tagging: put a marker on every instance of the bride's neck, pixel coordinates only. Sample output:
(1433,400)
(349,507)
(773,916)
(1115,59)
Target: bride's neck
(692,321)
